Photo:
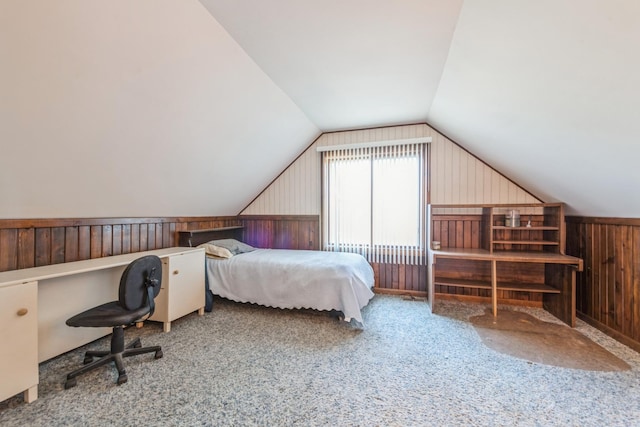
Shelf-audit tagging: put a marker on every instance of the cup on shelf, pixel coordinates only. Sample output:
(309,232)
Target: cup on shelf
(512,218)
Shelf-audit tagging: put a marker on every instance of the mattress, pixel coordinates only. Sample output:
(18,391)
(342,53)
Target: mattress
(284,278)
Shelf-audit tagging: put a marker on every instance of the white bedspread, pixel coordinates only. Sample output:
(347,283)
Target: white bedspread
(285,278)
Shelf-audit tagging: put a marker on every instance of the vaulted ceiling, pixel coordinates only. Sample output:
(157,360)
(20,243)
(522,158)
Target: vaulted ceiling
(547,92)
(202,103)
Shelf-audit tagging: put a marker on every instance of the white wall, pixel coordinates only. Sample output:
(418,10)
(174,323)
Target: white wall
(549,92)
(134,108)
(457,177)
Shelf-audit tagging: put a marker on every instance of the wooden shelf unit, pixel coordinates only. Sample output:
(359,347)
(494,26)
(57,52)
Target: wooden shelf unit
(496,257)
(541,225)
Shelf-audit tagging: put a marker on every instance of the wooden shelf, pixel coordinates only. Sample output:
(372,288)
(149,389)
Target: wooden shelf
(525,242)
(508,256)
(511,286)
(498,257)
(524,228)
(528,287)
(461,283)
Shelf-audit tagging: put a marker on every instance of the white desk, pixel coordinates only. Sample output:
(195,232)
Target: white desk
(36,302)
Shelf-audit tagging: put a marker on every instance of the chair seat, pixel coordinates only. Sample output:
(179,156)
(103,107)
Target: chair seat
(107,315)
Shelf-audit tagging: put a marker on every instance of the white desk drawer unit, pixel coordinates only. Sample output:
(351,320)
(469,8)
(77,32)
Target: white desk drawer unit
(36,302)
(182,290)
(19,336)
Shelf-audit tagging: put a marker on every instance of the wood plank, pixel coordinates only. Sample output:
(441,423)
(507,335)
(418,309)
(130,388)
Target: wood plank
(135,238)
(8,249)
(626,289)
(57,244)
(395,276)
(126,239)
(84,242)
(610,277)
(151,236)
(618,279)
(26,248)
(96,241)
(158,236)
(561,305)
(598,277)
(169,238)
(70,249)
(635,284)
(107,240)
(116,239)
(43,246)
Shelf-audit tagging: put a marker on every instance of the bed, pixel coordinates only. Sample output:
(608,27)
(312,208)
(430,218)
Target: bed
(283,278)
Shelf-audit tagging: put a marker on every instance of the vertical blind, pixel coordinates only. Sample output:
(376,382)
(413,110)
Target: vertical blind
(373,202)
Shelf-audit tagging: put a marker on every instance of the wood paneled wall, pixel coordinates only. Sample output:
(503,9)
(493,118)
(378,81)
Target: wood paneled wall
(457,231)
(282,232)
(465,231)
(36,242)
(608,290)
(456,176)
(28,243)
(303,232)
(401,279)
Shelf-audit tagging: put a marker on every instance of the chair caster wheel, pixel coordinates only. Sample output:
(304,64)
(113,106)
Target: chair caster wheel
(122,378)
(70,383)
(158,354)
(87,360)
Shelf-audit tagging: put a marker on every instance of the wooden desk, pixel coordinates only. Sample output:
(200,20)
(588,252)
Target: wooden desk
(558,288)
(36,302)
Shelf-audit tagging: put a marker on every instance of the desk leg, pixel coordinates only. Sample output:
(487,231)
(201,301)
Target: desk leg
(494,288)
(30,394)
(166,326)
(201,311)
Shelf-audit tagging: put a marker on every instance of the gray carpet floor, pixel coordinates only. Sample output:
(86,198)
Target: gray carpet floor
(248,365)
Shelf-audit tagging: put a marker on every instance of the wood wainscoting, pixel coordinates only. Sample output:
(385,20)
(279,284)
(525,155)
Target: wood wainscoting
(402,279)
(28,243)
(608,290)
(466,231)
(281,231)
(303,232)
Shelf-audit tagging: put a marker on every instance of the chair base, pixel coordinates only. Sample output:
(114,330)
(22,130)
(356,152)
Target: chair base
(116,354)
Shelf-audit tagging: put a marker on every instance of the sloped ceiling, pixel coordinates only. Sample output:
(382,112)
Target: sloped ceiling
(546,92)
(202,103)
(347,64)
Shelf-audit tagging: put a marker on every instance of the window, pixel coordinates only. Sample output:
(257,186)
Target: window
(373,202)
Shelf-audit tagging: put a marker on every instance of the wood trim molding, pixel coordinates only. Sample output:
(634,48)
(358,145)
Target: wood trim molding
(77,222)
(411,293)
(610,331)
(279,217)
(602,220)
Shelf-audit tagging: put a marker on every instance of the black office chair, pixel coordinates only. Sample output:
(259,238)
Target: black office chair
(139,285)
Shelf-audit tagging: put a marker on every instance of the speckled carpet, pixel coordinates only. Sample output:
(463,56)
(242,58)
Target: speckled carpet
(247,365)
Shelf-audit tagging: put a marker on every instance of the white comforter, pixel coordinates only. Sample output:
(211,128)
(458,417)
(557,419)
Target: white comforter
(285,278)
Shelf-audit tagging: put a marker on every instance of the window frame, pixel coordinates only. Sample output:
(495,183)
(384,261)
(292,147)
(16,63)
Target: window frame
(415,252)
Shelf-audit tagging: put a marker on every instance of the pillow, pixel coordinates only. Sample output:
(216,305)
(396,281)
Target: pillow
(216,251)
(234,246)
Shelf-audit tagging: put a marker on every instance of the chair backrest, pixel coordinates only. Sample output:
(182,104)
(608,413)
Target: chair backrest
(140,283)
